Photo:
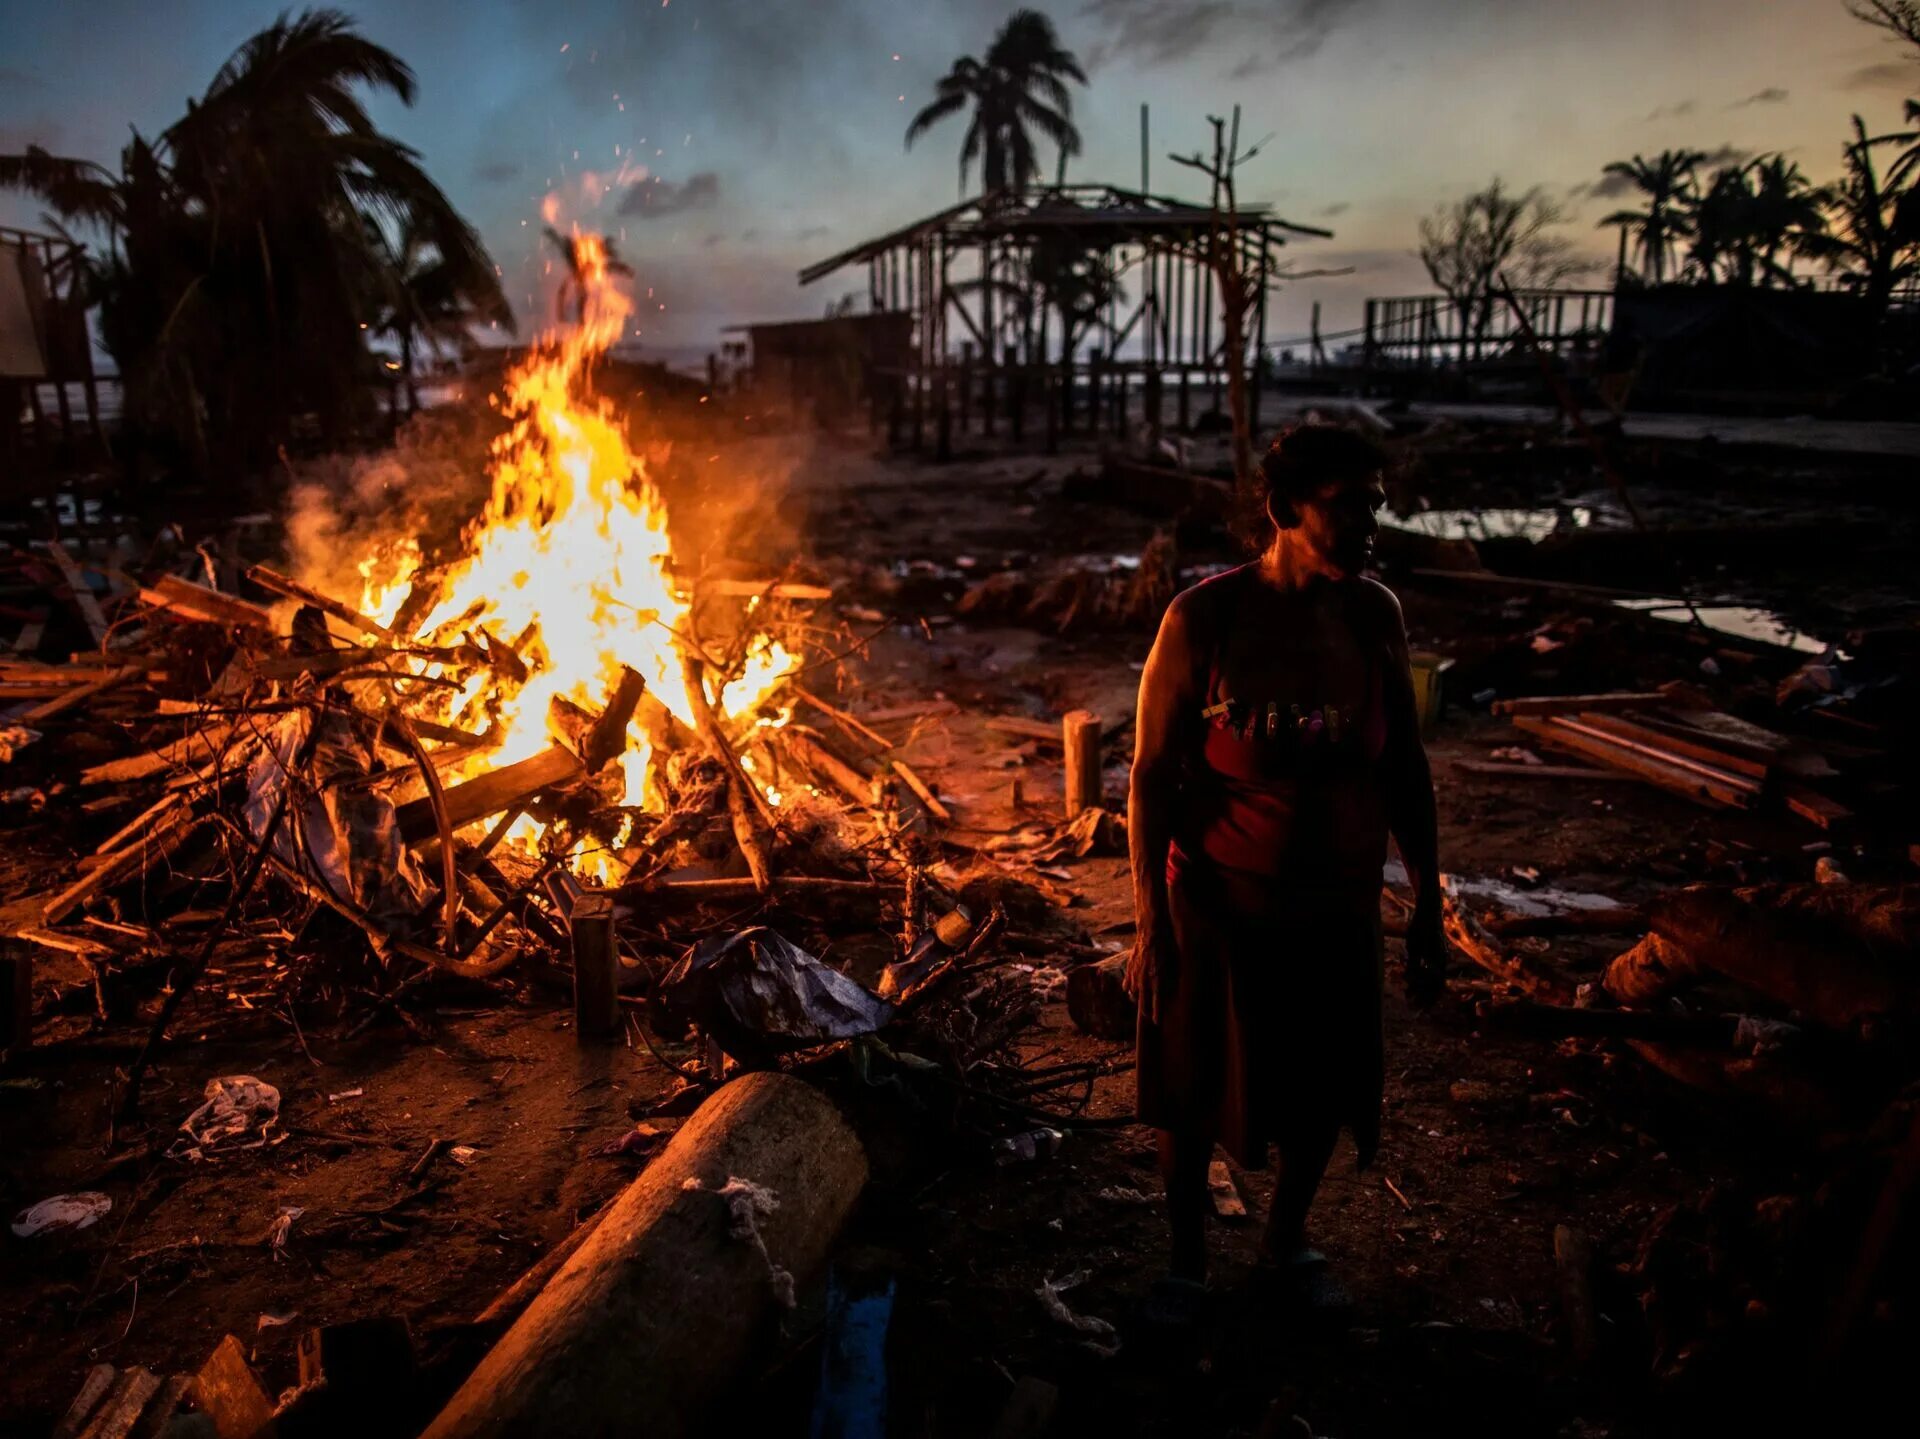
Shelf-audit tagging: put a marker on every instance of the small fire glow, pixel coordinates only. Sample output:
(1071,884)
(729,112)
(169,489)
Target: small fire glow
(569,563)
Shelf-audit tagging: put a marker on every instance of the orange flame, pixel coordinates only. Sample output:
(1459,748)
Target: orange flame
(569,560)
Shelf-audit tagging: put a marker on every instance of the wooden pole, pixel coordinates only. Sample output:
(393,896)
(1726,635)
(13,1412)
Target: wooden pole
(665,1305)
(596,967)
(16,994)
(1080,731)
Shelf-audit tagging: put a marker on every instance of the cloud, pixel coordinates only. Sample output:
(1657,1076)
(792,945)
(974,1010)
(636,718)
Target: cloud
(655,198)
(497,172)
(1160,32)
(1901,75)
(1671,112)
(1772,95)
(1338,207)
(1725,155)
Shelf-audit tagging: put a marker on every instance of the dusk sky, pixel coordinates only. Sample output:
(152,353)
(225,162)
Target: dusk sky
(771,133)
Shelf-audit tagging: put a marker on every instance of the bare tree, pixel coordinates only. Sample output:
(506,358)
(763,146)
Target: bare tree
(1899,18)
(1226,254)
(1469,243)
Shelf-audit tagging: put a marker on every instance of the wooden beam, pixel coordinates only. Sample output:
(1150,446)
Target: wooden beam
(270,579)
(489,793)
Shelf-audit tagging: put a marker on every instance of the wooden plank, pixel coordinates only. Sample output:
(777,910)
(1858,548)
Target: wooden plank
(1719,774)
(1732,791)
(81,694)
(198,602)
(202,744)
(926,796)
(1574,704)
(489,793)
(123,1406)
(271,579)
(83,598)
(1816,808)
(1664,740)
(1024,728)
(1539,771)
(92,1390)
(160,841)
(779,590)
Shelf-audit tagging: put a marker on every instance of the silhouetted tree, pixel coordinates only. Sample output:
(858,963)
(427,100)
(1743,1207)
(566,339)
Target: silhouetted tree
(1667,183)
(240,275)
(1018,89)
(429,296)
(1468,245)
(1873,240)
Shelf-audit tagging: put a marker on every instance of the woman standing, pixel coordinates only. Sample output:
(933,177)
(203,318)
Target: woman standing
(1277,747)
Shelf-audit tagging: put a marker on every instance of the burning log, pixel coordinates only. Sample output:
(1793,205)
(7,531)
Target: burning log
(490,793)
(745,803)
(270,579)
(1470,938)
(658,1310)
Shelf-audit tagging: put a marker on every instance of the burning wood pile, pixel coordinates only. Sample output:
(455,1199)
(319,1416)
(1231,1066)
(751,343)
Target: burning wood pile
(551,742)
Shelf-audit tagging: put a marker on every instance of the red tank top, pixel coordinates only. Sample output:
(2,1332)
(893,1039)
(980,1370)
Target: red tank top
(1292,793)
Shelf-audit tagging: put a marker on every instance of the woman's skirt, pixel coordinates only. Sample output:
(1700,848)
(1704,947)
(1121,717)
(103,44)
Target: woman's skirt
(1269,1031)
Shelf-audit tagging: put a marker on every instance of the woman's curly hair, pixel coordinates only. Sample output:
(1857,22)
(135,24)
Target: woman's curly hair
(1302,460)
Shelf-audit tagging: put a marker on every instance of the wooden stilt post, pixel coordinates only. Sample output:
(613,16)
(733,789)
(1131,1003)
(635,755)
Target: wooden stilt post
(1080,732)
(596,967)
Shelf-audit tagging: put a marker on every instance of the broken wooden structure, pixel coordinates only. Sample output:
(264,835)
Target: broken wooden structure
(1064,308)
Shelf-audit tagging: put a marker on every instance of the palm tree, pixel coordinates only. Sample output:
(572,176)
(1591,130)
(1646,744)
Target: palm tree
(1873,241)
(1667,182)
(1723,219)
(1786,210)
(570,300)
(239,264)
(430,295)
(1019,88)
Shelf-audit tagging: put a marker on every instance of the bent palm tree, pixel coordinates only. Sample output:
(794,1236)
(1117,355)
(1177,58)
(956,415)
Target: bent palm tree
(239,263)
(1667,182)
(1019,88)
(1873,241)
(1786,210)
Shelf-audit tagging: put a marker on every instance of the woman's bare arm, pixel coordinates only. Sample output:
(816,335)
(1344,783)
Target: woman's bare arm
(1412,817)
(1170,701)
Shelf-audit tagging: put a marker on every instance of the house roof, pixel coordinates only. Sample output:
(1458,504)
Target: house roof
(1124,215)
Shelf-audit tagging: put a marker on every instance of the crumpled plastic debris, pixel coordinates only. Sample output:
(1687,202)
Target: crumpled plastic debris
(749,1203)
(62,1214)
(1102,1338)
(13,739)
(342,834)
(282,1226)
(1041,1143)
(1092,831)
(755,991)
(239,1113)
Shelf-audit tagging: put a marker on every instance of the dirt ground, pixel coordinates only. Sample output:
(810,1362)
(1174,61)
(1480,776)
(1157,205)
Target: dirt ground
(1490,1140)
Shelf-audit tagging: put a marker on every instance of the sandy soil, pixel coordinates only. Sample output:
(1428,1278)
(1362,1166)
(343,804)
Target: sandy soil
(1445,1243)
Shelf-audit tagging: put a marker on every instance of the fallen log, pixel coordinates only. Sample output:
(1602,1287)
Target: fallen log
(1839,954)
(1652,969)
(661,1308)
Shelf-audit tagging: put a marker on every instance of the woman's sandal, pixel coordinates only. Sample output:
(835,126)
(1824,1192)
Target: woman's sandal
(1174,1303)
(1304,1281)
